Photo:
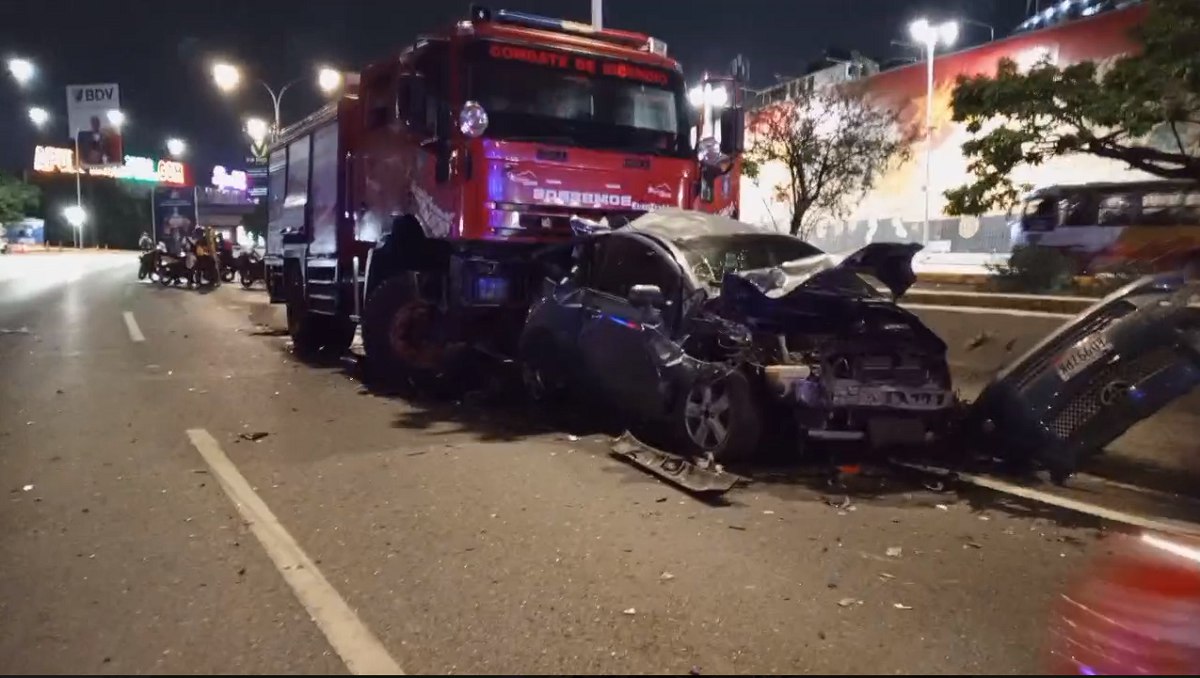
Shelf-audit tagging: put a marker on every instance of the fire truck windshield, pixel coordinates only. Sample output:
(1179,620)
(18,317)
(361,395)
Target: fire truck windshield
(539,95)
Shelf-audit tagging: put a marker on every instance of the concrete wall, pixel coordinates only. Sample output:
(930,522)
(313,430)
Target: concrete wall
(894,210)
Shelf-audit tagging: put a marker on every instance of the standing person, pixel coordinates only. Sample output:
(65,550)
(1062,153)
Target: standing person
(145,244)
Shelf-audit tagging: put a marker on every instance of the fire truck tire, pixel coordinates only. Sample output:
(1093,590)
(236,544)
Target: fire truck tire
(316,335)
(385,363)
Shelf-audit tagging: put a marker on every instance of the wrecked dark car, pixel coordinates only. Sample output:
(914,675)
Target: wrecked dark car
(1087,383)
(716,331)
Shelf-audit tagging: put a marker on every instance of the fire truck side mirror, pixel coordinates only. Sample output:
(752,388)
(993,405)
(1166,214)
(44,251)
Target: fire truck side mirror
(441,167)
(416,102)
(733,130)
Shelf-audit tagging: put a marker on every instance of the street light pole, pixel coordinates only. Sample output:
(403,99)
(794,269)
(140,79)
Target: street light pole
(597,14)
(78,232)
(929,36)
(276,98)
(929,47)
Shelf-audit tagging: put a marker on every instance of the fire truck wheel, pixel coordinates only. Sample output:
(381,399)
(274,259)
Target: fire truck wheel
(318,335)
(398,327)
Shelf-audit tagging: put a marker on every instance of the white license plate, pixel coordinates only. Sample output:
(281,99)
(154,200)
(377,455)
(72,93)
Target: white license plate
(1082,355)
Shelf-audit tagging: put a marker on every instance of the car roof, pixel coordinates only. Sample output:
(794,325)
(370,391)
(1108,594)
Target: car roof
(674,225)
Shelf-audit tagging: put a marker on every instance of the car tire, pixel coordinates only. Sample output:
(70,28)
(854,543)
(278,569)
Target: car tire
(719,416)
(541,371)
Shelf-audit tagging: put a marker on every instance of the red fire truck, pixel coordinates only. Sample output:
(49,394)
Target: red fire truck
(417,203)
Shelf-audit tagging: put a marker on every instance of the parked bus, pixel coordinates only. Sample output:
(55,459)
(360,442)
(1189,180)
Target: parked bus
(1152,225)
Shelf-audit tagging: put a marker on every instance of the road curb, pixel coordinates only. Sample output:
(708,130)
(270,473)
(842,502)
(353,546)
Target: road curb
(1010,302)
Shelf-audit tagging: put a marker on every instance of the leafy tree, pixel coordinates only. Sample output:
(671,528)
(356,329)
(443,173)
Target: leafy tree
(834,144)
(17,199)
(1143,110)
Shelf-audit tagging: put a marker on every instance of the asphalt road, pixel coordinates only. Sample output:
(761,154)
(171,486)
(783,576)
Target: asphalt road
(142,532)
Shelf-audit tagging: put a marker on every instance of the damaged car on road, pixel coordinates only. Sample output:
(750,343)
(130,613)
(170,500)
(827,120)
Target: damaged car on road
(717,333)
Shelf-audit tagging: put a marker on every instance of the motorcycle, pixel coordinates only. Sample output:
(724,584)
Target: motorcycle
(229,266)
(251,268)
(172,270)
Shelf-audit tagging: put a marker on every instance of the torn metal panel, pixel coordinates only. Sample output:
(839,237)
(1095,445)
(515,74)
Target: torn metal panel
(674,468)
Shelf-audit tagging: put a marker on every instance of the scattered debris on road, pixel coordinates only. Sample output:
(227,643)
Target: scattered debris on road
(630,611)
(978,340)
(666,576)
(674,468)
(19,330)
(572,437)
(254,436)
(847,602)
(942,507)
(894,551)
(27,488)
(901,606)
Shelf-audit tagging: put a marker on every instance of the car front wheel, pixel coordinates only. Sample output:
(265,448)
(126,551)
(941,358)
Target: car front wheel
(719,416)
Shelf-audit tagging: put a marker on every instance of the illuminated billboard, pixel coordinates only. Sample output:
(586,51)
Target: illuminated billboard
(51,159)
(235,180)
(94,119)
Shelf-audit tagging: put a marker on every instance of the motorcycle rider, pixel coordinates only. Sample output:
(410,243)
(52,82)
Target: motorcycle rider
(145,244)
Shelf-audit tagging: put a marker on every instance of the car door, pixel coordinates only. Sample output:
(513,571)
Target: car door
(617,340)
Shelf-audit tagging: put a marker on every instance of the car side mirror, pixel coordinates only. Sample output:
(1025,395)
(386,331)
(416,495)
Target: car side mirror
(646,296)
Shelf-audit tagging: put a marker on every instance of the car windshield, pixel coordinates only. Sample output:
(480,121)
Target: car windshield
(712,256)
(536,102)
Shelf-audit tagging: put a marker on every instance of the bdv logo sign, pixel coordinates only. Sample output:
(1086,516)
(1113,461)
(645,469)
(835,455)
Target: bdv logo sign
(98,94)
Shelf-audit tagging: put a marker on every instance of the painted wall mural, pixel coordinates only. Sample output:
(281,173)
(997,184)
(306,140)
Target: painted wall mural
(894,210)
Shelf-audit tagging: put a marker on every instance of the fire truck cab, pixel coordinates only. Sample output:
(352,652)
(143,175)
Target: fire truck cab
(416,204)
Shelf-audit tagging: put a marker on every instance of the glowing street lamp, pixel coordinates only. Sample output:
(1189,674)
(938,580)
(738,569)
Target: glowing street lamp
(39,116)
(116,118)
(930,36)
(227,76)
(176,147)
(76,217)
(21,70)
(329,80)
(257,129)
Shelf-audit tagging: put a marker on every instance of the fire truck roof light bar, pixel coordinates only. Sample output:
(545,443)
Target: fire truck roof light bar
(627,38)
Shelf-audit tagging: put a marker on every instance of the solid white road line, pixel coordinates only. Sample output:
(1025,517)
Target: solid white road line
(1113,515)
(359,649)
(135,332)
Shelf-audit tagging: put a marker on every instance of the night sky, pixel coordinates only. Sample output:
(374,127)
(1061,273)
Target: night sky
(159,51)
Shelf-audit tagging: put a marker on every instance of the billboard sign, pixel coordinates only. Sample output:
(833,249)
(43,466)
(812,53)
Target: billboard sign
(94,121)
(235,180)
(174,215)
(134,168)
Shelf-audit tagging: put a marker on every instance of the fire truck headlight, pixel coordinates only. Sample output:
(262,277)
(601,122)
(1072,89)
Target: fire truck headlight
(473,120)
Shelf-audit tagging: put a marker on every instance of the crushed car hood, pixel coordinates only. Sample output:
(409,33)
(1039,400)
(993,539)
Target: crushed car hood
(821,295)
(889,263)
